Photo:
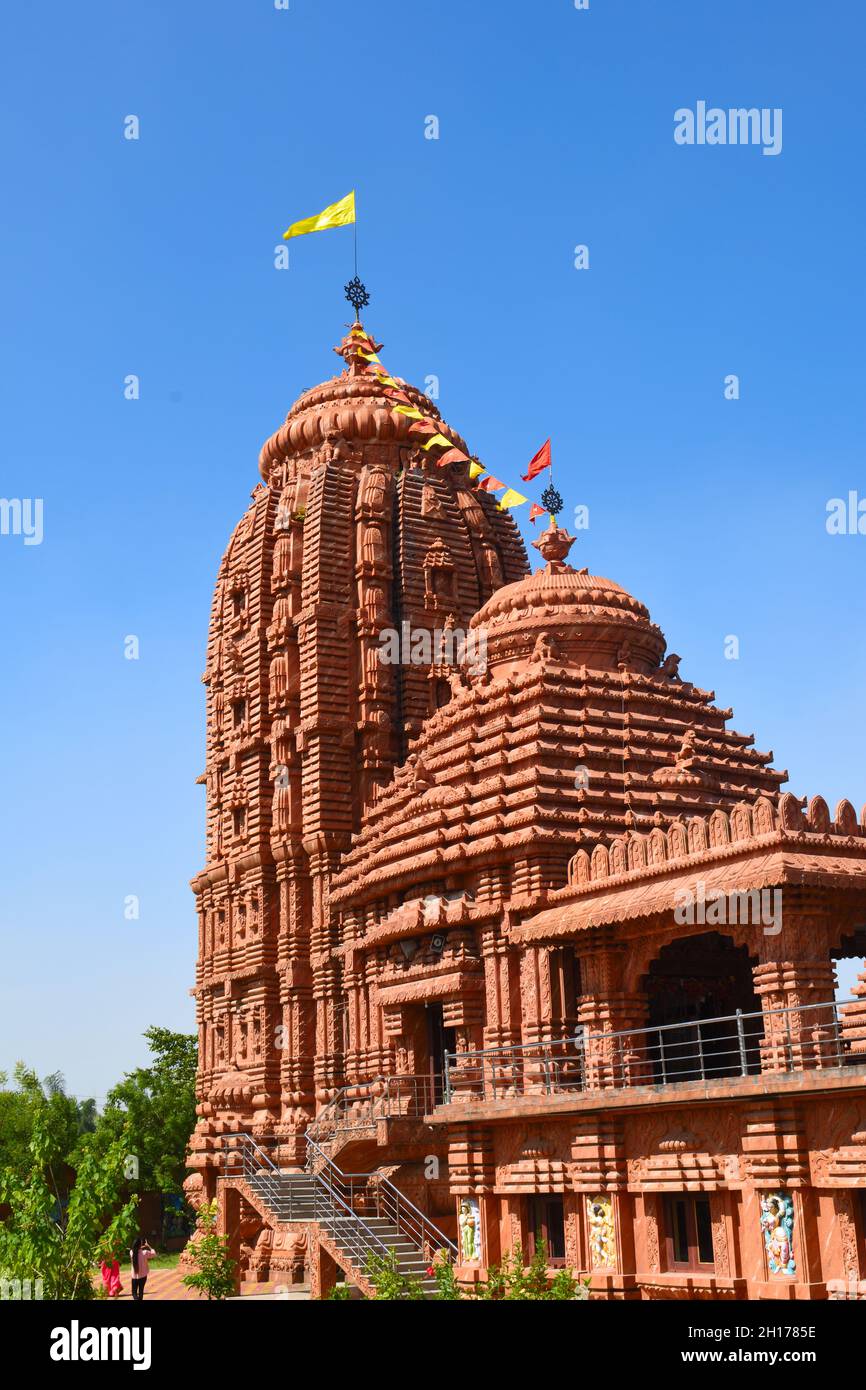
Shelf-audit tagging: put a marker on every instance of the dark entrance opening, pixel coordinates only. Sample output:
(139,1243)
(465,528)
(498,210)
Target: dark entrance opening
(439,1041)
(546,1222)
(696,986)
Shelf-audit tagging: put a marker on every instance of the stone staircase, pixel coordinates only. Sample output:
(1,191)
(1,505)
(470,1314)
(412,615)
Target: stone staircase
(358,1215)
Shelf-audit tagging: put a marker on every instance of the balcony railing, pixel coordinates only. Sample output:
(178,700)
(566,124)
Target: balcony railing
(803,1038)
(362,1105)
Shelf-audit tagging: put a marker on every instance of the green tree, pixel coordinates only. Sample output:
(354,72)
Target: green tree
(16,1123)
(155,1105)
(57,1240)
(215,1269)
(66,1117)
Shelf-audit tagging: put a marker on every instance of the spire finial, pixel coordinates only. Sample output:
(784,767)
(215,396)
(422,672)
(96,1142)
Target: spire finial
(359,350)
(356,293)
(554,544)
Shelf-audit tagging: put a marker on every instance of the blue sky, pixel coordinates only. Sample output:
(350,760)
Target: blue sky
(156,257)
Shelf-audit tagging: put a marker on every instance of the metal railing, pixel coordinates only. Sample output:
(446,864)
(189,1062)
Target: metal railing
(344,1203)
(374,1195)
(296,1196)
(363,1104)
(802,1038)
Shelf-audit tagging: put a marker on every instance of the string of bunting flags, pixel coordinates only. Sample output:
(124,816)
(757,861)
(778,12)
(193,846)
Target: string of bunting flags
(427,432)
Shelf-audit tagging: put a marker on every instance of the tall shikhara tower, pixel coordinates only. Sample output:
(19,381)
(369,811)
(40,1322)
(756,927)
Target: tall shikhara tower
(353,530)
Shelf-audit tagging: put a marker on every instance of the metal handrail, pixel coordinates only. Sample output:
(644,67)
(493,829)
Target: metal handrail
(382,1102)
(390,1201)
(325,1195)
(590,1061)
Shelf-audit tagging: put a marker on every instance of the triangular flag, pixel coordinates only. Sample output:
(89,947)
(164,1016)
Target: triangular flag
(409,411)
(439,441)
(452,456)
(475,469)
(511,499)
(490,484)
(538,462)
(534,512)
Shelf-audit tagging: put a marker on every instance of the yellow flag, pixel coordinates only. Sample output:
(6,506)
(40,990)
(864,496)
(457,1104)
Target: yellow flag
(409,410)
(337,215)
(475,469)
(511,498)
(439,440)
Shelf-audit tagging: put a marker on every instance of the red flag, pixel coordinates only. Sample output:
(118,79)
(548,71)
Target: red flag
(452,456)
(425,426)
(535,511)
(538,462)
(490,484)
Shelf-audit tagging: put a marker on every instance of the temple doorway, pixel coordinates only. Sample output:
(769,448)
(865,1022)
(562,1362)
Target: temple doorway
(440,1040)
(696,986)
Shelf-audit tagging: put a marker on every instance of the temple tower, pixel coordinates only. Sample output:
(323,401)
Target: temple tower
(353,532)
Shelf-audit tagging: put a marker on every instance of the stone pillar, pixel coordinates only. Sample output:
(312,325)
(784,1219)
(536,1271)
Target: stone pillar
(297,1016)
(606,1014)
(323,1271)
(797,1037)
(324,852)
(501,988)
(229,1224)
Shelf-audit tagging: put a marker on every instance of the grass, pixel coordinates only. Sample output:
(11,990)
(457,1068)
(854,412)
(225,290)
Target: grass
(169,1261)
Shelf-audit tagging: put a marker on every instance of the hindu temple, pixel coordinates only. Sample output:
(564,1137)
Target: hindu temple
(506,936)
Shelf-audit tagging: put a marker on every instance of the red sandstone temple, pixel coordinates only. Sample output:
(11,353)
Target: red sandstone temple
(528,946)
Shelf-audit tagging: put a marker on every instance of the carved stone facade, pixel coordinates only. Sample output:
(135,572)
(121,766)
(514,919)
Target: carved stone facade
(556,874)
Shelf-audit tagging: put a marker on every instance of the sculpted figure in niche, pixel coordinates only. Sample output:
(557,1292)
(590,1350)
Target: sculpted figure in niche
(602,1240)
(341,451)
(491,567)
(469,1223)
(283,749)
(279,677)
(373,545)
(282,574)
(377,736)
(282,805)
(688,749)
(375,609)
(473,513)
(374,492)
(777,1224)
(545,648)
(430,503)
